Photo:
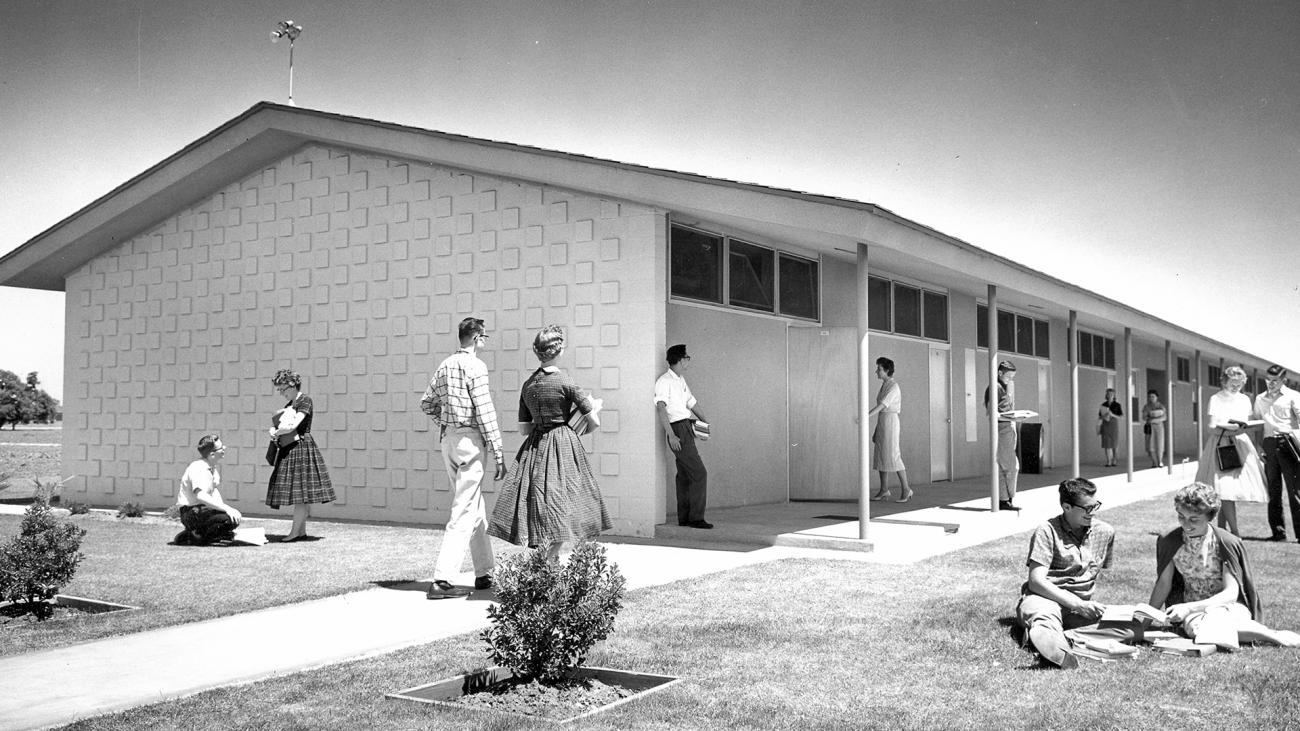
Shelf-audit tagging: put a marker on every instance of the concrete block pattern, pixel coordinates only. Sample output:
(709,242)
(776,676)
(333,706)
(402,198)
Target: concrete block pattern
(351,269)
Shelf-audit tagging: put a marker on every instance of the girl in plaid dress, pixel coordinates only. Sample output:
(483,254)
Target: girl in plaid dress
(550,495)
(299,477)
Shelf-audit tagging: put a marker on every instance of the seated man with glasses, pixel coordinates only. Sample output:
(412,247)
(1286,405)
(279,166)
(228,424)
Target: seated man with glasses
(1066,556)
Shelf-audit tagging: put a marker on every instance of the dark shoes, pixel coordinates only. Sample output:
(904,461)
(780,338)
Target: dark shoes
(699,524)
(182,538)
(482,582)
(443,590)
(1007,505)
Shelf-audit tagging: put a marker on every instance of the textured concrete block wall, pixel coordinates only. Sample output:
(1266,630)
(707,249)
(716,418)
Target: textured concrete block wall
(354,270)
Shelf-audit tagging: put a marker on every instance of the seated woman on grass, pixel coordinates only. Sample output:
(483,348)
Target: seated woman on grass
(1205,580)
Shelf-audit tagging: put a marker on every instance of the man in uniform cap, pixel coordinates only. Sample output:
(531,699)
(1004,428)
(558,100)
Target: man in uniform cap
(1008,462)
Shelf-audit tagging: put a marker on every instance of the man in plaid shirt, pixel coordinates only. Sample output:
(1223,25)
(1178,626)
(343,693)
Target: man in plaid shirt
(459,402)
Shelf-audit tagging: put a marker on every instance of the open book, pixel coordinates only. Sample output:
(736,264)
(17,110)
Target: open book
(1139,614)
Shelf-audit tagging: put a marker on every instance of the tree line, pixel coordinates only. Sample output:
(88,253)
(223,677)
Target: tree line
(26,402)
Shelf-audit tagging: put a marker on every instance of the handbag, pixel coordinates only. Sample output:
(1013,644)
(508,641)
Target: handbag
(1146,428)
(272,451)
(1226,455)
(285,440)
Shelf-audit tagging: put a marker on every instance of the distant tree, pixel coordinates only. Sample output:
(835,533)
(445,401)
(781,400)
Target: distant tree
(25,402)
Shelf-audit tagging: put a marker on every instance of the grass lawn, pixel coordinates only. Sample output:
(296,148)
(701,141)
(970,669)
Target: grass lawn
(825,644)
(25,455)
(129,562)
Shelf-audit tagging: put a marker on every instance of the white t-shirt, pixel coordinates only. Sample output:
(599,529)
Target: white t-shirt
(198,477)
(671,389)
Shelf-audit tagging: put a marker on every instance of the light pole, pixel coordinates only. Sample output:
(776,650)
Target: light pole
(287,29)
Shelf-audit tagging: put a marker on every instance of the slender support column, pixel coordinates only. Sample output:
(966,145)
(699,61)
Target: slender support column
(1196,400)
(1127,400)
(1073,350)
(1170,427)
(864,399)
(994,473)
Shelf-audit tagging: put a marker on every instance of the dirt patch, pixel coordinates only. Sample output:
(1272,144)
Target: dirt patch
(552,701)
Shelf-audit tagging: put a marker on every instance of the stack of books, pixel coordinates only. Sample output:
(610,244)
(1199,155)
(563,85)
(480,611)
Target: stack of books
(1105,650)
(1183,646)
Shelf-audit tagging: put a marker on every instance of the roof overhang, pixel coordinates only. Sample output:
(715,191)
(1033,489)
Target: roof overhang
(832,227)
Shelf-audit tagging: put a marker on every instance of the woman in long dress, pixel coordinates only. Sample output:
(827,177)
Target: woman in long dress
(299,477)
(551,495)
(1227,414)
(1109,417)
(886,454)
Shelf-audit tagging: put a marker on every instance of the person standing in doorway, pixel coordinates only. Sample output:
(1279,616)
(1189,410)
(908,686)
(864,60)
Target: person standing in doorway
(678,410)
(1108,418)
(888,455)
(460,403)
(1153,426)
(1279,407)
(1008,461)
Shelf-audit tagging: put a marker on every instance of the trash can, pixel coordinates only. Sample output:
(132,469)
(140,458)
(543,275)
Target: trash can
(1031,448)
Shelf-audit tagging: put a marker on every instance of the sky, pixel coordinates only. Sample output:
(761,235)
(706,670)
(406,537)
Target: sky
(1149,151)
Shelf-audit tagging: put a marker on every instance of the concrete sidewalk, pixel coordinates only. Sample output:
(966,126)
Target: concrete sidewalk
(57,687)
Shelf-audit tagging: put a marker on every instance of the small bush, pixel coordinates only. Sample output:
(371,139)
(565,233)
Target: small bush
(173,512)
(40,560)
(76,507)
(548,616)
(130,510)
(47,491)
(4,480)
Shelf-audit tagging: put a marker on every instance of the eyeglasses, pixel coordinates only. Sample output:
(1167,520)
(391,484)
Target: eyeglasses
(686,357)
(483,336)
(1090,509)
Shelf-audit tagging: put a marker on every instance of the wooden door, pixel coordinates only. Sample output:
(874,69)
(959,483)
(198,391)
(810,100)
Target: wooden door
(822,385)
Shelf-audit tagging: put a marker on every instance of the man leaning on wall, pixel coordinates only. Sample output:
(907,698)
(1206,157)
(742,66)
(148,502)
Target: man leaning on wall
(678,412)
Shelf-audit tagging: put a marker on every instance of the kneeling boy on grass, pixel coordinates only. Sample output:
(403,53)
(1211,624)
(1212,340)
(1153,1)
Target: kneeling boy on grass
(1066,556)
(204,513)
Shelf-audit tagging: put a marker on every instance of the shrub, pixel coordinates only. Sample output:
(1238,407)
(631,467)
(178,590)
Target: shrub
(76,507)
(40,560)
(548,616)
(173,512)
(130,510)
(4,480)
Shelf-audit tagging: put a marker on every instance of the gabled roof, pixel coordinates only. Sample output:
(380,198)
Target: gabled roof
(268,132)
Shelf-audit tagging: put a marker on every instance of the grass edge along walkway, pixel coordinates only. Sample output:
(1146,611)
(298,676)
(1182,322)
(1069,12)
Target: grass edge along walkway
(119,673)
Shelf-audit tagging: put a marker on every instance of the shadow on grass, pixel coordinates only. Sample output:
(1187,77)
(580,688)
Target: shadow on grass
(402,584)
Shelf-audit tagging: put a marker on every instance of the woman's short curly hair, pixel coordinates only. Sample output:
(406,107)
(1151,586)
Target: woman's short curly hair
(549,342)
(1200,498)
(285,377)
(1232,373)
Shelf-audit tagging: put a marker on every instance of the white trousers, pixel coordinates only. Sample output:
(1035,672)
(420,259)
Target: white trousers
(462,454)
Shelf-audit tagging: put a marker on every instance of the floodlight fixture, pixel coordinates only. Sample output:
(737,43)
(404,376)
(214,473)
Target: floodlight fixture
(291,30)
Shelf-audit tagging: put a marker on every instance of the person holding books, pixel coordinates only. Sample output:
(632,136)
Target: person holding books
(551,495)
(1204,579)
(1153,426)
(1243,479)
(1066,556)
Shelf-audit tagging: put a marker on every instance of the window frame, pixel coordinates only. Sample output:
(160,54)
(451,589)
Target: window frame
(924,295)
(1035,335)
(725,299)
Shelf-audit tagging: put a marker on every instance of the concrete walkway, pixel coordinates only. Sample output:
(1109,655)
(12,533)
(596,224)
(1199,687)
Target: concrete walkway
(57,687)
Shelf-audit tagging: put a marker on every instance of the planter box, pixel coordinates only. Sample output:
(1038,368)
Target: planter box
(447,692)
(90,606)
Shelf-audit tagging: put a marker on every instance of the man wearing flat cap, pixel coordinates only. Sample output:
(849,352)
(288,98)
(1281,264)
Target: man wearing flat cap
(1008,462)
(678,412)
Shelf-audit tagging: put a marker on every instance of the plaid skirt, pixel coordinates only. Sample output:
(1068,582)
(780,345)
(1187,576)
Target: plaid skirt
(299,476)
(550,494)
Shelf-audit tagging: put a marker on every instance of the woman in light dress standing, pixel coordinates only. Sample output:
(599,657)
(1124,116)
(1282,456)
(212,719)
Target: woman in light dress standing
(1153,422)
(886,454)
(1227,414)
